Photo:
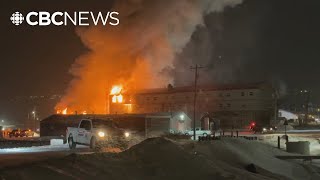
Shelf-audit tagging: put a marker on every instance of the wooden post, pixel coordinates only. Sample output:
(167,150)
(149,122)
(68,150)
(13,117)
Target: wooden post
(278,142)
(237,134)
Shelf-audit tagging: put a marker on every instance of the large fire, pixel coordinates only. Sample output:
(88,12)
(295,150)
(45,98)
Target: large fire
(116,92)
(139,53)
(63,111)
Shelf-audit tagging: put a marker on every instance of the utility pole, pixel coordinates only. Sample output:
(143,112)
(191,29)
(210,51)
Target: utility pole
(307,106)
(276,111)
(195,97)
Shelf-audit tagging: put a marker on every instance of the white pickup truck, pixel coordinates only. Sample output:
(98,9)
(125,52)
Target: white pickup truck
(199,132)
(94,132)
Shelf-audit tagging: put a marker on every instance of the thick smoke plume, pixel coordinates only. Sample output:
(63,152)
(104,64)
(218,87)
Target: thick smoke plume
(138,52)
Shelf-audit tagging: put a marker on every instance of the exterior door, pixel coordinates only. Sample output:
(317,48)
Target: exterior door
(84,131)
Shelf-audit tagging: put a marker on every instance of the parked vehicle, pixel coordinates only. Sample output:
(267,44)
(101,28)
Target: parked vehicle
(256,128)
(26,133)
(14,133)
(199,132)
(97,133)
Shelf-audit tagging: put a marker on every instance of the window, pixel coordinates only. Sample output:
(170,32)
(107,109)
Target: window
(242,93)
(228,95)
(220,105)
(228,105)
(220,94)
(155,98)
(243,106)
(85,124)
(148,98)
(251,93)
(99,123)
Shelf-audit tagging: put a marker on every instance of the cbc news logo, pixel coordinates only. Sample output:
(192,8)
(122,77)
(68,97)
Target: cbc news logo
(58,18)
(17,18)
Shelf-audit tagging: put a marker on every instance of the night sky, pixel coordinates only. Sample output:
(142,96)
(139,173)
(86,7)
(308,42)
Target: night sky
(277,40)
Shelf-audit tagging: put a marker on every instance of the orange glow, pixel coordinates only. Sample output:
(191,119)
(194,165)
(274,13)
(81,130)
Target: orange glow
(129,108)
(65,111)
(84,112)
(114,99)
(120,98)
(116,90)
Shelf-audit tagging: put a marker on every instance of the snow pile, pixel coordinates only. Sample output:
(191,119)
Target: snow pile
(160,158)
(56,142)
(240,152)
(314,141)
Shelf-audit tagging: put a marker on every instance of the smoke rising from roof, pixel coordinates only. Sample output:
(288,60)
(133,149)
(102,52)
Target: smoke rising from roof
(138,52)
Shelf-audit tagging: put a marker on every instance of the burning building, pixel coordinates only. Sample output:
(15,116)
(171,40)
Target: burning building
(139,53)
(230,105)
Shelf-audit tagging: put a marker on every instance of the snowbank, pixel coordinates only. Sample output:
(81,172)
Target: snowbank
(56,142)
(272,140)
(160,158)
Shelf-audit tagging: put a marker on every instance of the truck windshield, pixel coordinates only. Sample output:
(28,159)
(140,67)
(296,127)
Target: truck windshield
(99,123)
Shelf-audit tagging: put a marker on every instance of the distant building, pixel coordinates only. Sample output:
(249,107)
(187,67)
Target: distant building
(228,106)
(147,125)
(288,115)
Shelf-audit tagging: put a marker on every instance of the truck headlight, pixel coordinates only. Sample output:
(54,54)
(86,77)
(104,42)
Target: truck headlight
(271,129)
(264,129)
(126,134)
(101,134)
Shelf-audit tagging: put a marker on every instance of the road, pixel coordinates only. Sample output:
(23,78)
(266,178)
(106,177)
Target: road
(17,156)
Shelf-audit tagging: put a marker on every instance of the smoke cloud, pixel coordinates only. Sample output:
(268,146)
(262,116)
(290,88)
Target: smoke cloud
(138,53)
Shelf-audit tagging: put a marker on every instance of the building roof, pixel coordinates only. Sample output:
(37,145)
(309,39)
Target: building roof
(258,85)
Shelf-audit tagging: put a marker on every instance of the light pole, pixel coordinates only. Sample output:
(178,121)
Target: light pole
(34,119)
(195,97)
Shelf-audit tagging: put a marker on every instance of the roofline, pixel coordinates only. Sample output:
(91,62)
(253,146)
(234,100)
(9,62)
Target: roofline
(257,85)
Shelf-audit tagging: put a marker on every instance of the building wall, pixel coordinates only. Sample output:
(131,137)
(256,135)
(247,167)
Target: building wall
(234,107)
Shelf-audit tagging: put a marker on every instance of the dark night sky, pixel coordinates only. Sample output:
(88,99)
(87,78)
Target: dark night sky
(35,60)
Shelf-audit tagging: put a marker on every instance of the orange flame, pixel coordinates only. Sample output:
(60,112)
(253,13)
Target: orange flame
(65,111)
(116,90)
(114,99)
(120,98)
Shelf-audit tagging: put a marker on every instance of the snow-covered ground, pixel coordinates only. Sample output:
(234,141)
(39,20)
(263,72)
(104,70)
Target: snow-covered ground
(35,149)
(159,158)
(314,139)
